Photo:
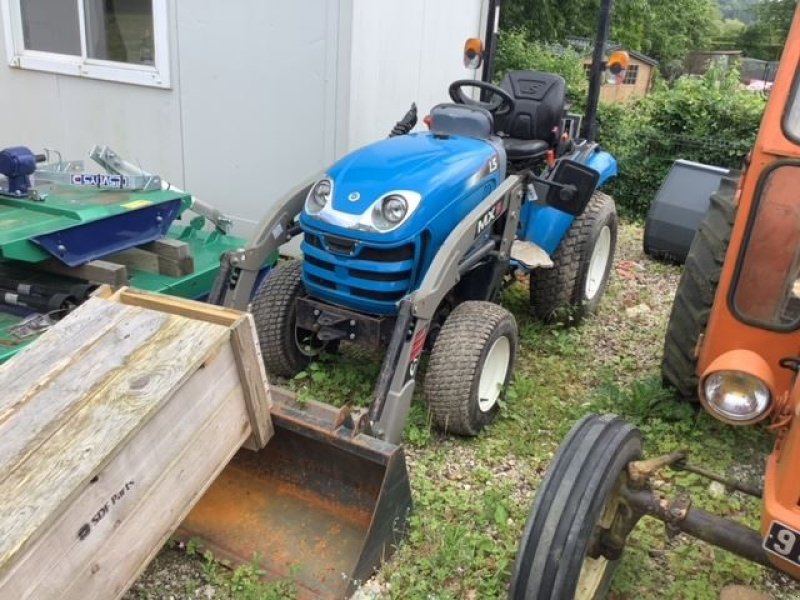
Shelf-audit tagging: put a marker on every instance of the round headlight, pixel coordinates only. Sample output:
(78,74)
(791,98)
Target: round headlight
(736,395)
(394,208)
(321,193)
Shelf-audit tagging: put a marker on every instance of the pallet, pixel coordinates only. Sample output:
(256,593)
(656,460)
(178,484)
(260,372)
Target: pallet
(168,257)
(112,426)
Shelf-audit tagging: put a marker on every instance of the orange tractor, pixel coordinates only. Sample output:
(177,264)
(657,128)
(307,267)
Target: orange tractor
(733,342)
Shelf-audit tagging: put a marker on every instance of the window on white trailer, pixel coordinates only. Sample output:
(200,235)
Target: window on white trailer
(117,40)
(120,31)
(51,26)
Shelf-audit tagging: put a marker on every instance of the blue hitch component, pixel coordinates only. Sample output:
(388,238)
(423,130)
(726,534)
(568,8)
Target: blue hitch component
(17,164)
(78,245)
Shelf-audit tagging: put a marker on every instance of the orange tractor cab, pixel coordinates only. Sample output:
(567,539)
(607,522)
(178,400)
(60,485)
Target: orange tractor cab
(733,343)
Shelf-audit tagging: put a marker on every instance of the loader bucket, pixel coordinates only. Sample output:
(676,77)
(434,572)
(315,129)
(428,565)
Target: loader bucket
(316,505)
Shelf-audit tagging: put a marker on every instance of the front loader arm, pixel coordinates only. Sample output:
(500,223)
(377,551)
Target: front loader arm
(239,269)
(392,398)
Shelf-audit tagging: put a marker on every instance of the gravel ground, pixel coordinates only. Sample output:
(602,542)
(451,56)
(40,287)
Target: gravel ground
(617,348)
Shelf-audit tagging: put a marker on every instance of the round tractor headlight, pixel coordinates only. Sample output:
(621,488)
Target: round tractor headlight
(394,208)
(320,195)
(736,396)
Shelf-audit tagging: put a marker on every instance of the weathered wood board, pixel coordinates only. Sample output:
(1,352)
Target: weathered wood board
(112,425)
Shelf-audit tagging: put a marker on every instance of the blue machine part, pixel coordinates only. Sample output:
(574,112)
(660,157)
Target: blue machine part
(78,245)
(546,226)
(605,164)
(17,164)
(353,265)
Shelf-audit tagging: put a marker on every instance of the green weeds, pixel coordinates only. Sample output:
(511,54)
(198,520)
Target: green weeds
(472,496)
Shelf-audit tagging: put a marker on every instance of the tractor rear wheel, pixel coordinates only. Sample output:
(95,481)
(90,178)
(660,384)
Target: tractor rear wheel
(575,284)
(471,364)
(696,291)
(286,348)
(571,544)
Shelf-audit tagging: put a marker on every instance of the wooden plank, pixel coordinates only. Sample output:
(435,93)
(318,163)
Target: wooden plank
(115,568)
(148,462)
(39,412)
(32,494)
(97,271)
(76,331)
(118,565)
(104,291)
(136,259)
(179,306)
(244,341)
(169,248)
(138,401)
(176,267)
(150,262)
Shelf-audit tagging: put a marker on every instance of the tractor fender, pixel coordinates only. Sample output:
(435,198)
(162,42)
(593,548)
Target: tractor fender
(605,164)
(546,226)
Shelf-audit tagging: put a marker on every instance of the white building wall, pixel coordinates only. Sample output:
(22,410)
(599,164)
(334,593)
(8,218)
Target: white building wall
(263,93)
(71,114)
(405,51)
(258,97)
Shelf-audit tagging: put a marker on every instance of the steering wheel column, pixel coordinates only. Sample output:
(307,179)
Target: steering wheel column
(500,102)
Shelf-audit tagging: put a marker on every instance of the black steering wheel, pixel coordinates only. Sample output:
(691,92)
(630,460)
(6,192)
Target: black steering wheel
(500,101)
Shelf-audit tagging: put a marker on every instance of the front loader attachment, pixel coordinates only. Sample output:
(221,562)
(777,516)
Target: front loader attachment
(318,505)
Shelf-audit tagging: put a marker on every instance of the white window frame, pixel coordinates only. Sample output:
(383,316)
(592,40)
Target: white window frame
(157,75)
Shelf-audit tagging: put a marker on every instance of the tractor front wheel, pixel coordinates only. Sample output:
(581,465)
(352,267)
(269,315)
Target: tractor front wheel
(286,348)
(575,284)
(696,291)
(471,364)
(576,531)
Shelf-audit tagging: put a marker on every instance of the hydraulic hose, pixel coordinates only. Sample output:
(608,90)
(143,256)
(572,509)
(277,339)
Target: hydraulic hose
(407,123)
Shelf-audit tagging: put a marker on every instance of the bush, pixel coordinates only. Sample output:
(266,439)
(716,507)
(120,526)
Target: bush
(708,119)
(515,52)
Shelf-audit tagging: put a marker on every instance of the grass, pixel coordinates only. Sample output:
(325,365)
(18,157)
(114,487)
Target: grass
(472,496)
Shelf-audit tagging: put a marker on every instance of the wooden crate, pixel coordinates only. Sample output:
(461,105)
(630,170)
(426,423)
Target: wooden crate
(112,425)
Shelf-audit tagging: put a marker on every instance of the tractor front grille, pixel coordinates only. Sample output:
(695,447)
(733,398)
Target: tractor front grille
(357,275)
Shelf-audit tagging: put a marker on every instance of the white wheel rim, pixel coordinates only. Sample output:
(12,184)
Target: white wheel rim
(493,374)
(593,570)
(591,578)
(601,253)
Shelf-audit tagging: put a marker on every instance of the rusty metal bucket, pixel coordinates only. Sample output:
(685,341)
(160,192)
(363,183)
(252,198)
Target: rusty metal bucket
(317,505)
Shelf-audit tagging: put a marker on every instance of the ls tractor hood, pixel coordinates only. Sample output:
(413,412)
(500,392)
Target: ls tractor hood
(433,173)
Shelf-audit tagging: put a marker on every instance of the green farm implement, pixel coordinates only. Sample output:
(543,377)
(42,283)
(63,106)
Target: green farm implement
(71,231)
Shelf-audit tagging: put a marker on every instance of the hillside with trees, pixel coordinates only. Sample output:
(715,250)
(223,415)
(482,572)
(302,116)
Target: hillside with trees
(711,119)
(667,30)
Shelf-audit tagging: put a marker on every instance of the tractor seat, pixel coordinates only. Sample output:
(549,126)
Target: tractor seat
(518,149)
(534,125)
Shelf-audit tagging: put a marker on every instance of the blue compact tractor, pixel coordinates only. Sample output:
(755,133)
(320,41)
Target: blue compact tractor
(407,243)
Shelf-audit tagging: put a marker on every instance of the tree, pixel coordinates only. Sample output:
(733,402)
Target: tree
(765,38)
(516,52)
(738,10)
(665,29)
(678,27)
